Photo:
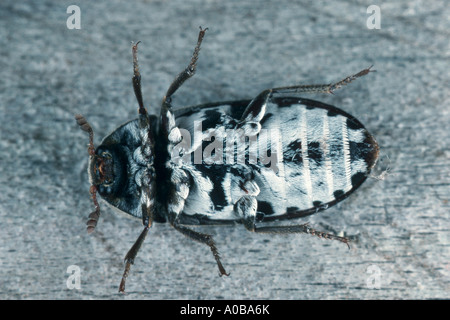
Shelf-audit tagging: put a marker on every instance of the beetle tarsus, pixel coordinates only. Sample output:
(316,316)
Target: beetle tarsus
(124,277)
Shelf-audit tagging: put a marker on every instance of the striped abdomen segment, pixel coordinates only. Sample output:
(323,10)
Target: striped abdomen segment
(326,154)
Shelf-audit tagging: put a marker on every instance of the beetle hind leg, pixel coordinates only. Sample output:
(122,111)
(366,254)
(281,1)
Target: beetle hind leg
(136,80)
(256,108)
(301,228)
(322,88)
(246,208)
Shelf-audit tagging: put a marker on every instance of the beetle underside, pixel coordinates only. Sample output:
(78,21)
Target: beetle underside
(315,156)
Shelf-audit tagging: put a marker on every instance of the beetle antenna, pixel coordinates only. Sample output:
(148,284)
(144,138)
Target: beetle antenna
(85,126)
(93,217)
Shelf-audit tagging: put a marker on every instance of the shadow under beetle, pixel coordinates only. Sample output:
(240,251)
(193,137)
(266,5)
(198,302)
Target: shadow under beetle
(275,157)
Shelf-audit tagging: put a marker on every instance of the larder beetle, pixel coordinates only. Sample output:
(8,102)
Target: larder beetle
(278,156)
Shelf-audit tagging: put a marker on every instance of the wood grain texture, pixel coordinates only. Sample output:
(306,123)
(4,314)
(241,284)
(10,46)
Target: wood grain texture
(400,224)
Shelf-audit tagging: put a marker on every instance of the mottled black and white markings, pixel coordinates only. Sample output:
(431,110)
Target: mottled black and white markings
(315,158)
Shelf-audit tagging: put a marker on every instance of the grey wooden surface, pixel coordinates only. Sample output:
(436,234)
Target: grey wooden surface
(400,224)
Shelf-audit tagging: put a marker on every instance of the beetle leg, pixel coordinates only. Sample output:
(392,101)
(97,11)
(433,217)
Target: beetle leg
(202,238)
(179,193)
(136,80)
(166,113)
(302,228)
(186,73)
(147,179)
(145,132)
(257,107)
(322,88)
(147,220)
(131,255)
(246,208)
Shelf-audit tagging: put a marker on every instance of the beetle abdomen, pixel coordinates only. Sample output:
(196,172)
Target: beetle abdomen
(308,156)
(326,154)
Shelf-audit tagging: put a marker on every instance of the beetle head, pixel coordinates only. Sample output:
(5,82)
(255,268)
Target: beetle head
(121,169)
(107,170)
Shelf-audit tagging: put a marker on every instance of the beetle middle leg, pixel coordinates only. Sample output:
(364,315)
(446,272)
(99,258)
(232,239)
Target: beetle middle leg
(178,193)
(136,80)
(202,238)
(167,117)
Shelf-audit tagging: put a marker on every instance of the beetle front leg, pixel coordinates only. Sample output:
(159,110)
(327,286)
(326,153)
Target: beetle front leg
(131,255)
(147,206)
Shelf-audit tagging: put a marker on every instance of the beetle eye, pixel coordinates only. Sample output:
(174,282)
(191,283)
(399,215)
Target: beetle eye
(106,155)
(104,168)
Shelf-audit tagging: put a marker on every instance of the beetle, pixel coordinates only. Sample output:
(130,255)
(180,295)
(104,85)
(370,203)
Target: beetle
(278,156)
